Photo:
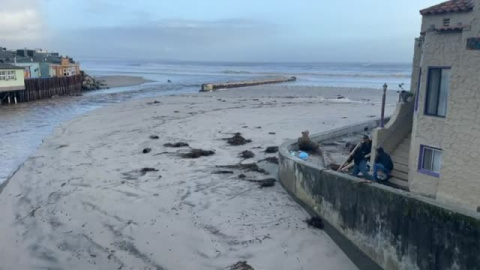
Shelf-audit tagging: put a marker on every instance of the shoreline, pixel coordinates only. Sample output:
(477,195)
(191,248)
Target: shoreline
(180,110)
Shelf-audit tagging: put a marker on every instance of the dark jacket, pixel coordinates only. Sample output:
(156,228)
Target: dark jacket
(359,154)
(384,159)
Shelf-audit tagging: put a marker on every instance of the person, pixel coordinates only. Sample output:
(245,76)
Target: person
(360,157)
(383,164)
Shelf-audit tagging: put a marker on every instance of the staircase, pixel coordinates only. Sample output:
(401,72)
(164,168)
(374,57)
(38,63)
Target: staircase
(400,163)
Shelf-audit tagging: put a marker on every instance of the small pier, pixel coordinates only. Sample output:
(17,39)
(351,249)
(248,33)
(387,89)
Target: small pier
(207,87)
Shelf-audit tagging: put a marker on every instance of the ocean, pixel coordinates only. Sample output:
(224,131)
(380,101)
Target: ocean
(25,125)
(361,75)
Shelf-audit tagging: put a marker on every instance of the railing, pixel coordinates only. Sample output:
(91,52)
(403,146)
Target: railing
(399,126)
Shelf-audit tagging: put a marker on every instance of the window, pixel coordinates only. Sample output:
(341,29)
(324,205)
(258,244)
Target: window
(11,75)
(430,160)
(437,92)
(6,75)
(446,22)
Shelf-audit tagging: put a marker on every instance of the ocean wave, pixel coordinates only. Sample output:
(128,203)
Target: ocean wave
(321,74)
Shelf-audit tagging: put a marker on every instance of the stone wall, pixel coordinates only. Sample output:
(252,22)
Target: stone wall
(458,134)
(396,229)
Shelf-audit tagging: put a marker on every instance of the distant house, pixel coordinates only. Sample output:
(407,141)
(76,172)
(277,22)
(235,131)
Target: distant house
(66,68)
(49,64)
(6,56)
(11,78)
(47,70)
(32,69)
(435,140)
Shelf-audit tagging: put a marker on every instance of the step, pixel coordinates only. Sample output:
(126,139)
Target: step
(398,160)
(399,175)
(403,147)
(400,155)
(398,183)
(400,167)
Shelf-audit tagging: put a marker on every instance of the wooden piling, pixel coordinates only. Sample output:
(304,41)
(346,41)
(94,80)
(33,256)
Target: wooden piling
(42,88)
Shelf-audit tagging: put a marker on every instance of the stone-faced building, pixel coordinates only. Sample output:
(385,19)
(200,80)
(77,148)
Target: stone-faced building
(436,138)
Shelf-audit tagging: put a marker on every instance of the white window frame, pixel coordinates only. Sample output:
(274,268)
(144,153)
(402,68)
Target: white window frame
(434,158)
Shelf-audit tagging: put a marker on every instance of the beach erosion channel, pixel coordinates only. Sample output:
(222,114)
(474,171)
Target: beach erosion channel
(110,190)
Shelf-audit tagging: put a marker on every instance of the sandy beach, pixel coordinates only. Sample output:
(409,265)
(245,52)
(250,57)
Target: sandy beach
(103,192)
(123,81)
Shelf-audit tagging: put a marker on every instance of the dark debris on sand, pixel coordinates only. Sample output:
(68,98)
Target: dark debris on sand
(242,265)
(223,172)
(237,139)
(264,183)
(251,167)
(147,150)
(315,222)
(144,171)
(273,160)
(196,153)
(271,150)
(154,137)
(334,166)
(176,145)
(246,154)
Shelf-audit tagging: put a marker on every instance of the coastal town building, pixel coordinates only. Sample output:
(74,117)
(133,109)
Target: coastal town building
(11,78)
(66,68)
(40,63)
(32,69)
(435,139)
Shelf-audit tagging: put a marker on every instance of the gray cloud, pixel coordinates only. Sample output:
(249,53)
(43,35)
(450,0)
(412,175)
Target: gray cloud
(173,39)
(20,22)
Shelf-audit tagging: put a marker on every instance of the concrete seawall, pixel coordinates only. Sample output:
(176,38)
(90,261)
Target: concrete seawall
(215,86)
(396,229)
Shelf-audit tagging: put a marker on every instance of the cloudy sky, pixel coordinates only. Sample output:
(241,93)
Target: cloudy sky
(217,30)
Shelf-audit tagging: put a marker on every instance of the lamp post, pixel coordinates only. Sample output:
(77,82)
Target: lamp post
(384,98)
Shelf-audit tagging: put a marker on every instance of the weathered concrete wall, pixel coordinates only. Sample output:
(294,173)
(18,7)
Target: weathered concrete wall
(417,56)
(458,134)
(398,230)
(395,131)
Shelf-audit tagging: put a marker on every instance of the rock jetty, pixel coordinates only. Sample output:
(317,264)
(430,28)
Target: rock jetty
(89,83)
(206,87)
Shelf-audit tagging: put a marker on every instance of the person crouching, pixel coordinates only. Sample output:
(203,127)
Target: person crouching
(360,157)
(383,165)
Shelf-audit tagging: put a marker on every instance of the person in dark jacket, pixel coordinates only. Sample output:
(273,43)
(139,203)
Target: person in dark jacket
(359,157)
(383,164)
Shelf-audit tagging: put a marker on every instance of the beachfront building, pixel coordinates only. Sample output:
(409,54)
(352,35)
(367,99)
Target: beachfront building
(40,63)
(435,140)
(67,67)
(31,69)
(11,78)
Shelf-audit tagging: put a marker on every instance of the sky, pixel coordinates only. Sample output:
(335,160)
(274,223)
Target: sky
(217,30)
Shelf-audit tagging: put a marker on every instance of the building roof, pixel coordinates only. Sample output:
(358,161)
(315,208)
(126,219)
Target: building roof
(8,66)
(452,6)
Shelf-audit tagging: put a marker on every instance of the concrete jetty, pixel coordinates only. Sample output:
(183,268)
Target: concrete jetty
(206,87)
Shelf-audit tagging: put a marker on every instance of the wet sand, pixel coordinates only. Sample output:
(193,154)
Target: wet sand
(82,201)
(123,81)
